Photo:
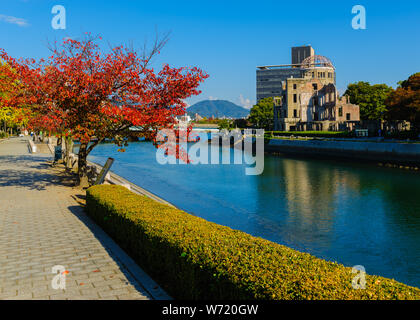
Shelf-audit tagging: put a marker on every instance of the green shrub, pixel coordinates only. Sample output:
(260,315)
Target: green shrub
(3,135)
(403,135)
(192,258)
(312,134)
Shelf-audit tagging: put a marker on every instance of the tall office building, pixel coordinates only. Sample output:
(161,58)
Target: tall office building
(301,53)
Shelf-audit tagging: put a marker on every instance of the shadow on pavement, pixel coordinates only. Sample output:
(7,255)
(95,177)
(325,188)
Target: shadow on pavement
(34,173)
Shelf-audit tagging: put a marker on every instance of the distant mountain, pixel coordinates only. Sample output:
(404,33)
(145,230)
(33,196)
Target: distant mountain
(218,109)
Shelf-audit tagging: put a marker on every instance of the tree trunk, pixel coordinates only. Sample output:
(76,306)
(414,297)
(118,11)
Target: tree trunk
(82,166)
(59,141)
(66,153)
(68,149)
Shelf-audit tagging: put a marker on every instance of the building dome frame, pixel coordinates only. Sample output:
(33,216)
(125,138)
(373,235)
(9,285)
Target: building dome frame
(317,61)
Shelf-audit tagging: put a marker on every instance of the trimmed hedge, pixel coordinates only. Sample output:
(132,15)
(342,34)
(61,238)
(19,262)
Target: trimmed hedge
(192,258)
(403,135)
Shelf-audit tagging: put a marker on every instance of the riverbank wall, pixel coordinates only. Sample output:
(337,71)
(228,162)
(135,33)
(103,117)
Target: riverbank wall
(114,179)
(404,154)
(111,178)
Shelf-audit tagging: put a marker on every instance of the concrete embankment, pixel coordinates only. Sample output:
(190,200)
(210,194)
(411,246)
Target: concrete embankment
(112,178)
(407,154)
(94,170)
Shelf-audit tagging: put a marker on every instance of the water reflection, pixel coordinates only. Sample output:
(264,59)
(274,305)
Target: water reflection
(347,212)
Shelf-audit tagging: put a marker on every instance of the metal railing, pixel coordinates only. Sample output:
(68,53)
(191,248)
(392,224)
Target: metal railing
(32,146)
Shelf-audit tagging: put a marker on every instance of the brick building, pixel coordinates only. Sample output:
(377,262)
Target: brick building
(305,94)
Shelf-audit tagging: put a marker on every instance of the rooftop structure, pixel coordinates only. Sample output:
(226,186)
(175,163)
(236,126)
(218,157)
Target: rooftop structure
(316,61)
(299,54)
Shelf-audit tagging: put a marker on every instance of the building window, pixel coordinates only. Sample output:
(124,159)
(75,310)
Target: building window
(295,98)
(315,85)
(313,74)
(340,112)
(348,116)
(295,86)
(295,113)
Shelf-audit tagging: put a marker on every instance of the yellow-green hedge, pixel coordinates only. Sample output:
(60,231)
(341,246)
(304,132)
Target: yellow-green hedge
(192,258)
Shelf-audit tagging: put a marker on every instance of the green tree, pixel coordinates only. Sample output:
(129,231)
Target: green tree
(370,98)
(404,103)
(262,114)
(225,124)
(241,123)
(6,116)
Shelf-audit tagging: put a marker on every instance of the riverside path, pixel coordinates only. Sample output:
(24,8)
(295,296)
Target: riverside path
(42,225)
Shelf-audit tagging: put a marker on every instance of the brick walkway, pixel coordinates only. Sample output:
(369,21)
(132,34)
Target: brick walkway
(42,225)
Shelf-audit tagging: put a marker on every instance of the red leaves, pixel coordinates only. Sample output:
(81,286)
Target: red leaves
(85,92)
(404,102)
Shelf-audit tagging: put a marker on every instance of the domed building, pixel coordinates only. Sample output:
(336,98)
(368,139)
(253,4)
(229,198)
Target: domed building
(305,94)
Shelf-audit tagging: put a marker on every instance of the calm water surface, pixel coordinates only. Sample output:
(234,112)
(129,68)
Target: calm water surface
(355,214)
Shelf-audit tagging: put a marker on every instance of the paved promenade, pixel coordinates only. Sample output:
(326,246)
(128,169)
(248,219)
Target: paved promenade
(42,226)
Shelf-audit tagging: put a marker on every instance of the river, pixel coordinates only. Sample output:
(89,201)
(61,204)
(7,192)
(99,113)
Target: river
(352,213)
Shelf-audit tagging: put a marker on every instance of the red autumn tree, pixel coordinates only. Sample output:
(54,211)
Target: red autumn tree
(101,95)
(6,83)
(9,88)
(404,102)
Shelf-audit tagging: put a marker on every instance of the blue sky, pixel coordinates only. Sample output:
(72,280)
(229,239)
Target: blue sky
(228,39)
